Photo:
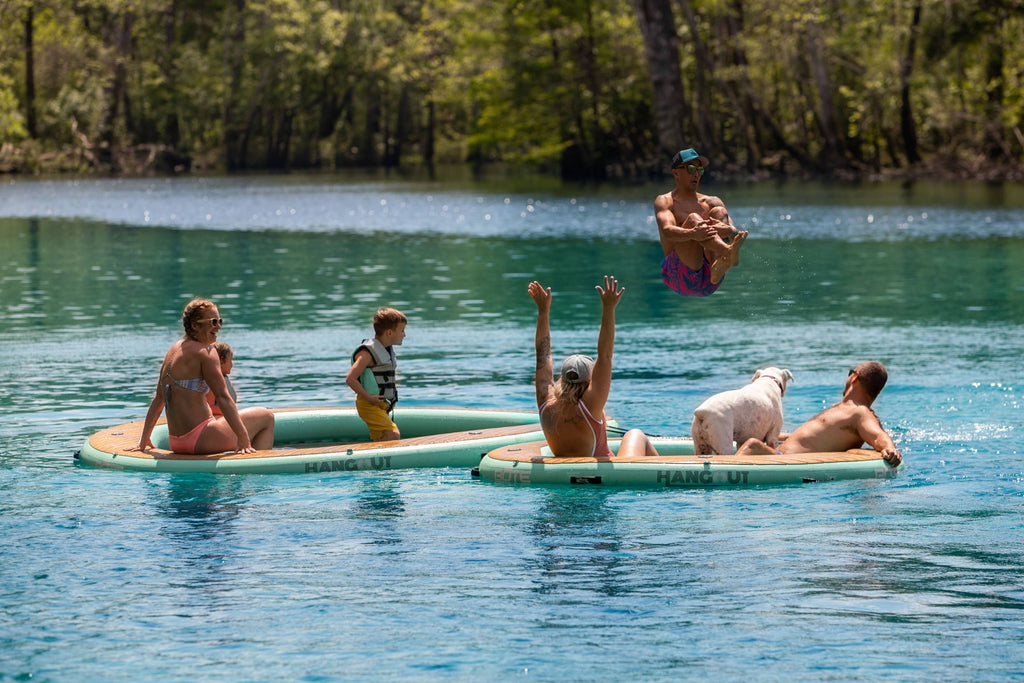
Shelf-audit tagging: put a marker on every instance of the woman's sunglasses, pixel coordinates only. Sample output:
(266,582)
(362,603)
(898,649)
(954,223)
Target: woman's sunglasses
(216,322)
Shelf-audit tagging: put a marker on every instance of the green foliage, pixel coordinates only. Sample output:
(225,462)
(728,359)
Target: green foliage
(560,85)
(12,123)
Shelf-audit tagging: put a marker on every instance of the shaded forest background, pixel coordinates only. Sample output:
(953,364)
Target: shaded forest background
(580,88)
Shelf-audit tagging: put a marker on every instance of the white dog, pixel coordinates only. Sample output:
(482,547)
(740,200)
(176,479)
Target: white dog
(737,415)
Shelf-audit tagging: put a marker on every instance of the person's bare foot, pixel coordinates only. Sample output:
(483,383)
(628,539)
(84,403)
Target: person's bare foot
(734,252)
(719,268)
(727,260)
(755,447)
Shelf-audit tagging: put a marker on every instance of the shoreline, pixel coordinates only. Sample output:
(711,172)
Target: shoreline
(160,161)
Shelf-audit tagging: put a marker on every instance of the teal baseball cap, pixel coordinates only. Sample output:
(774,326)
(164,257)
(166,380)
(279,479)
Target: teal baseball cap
(686,156)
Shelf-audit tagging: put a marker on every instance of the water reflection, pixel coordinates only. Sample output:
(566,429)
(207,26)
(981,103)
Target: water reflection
(87,276)
(579,548)
(197,514)
(198,508)
(893,581)
(380,508)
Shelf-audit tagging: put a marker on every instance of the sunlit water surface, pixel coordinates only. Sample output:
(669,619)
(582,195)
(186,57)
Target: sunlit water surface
(432,574)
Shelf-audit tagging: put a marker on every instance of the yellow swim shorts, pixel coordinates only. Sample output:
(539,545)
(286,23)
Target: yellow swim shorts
(376,418)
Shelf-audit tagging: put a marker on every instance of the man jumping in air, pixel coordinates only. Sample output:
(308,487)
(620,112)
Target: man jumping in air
(697,234)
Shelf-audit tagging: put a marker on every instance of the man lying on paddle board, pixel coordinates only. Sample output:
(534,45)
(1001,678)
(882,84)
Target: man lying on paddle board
(840,427)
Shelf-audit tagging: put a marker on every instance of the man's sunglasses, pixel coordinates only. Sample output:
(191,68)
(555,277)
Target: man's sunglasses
(692,168)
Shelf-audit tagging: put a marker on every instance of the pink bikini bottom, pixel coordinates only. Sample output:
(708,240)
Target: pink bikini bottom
(186,443)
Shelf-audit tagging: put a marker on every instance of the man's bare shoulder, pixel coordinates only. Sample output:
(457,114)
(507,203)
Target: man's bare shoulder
(836,415)
(711,201)
(842,411)
(864,415)
(663,201)
(844,415)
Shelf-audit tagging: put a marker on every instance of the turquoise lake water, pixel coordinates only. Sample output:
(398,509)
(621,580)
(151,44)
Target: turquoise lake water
(436,575)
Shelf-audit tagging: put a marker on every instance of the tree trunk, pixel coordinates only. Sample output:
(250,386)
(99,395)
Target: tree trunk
(368,147)
(330,108)
(234,63)
(661,47)
(344,131)
(594,138)
(706,70)
(403,126)
(831,136)
(170,72)
(995,147)
(246,130)
(428,138)
(117,91)
(907,126)
(30,74)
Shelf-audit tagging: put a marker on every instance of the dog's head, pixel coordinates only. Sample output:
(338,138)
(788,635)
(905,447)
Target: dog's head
(781,376)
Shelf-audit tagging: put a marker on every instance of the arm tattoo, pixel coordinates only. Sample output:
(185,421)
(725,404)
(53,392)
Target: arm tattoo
(543,352)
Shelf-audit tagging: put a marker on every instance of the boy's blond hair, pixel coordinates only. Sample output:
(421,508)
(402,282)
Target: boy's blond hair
(387,319)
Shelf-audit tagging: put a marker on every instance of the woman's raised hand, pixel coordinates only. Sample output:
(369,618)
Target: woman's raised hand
(611,292)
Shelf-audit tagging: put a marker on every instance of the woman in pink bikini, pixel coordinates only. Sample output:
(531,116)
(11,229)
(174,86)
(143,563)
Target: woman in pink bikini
(190,369)
(572,410)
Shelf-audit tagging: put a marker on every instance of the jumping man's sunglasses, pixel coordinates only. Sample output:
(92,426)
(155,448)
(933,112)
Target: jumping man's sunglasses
(692,168)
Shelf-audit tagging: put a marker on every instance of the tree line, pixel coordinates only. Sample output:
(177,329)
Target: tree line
(582,88)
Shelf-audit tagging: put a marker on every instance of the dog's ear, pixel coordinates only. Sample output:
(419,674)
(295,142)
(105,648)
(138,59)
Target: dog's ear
(757,374)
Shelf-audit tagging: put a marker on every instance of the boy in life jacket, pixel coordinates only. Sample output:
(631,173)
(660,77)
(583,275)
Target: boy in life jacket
(227,361)
(372,375)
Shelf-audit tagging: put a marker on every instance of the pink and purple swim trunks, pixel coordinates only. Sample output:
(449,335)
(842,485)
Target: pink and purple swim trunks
(687,282)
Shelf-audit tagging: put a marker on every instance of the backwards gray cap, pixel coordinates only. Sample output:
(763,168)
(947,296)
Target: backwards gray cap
(577,368)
